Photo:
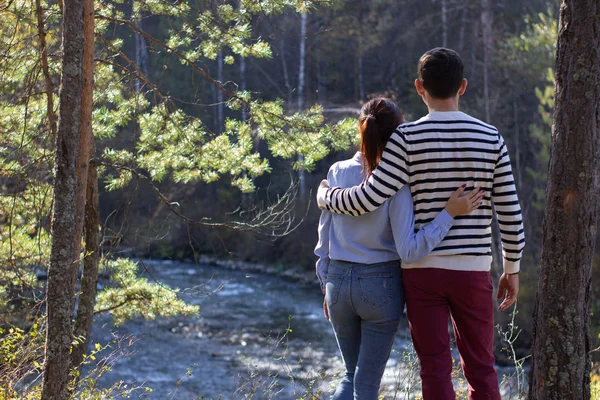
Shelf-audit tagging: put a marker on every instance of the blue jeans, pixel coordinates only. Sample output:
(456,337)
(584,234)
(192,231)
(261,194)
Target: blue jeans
(365,303)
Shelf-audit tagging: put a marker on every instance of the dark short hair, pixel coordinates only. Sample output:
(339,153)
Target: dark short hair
(377,121)
(441,72)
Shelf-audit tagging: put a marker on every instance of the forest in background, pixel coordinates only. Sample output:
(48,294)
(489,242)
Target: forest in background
(192,67)
(356,50)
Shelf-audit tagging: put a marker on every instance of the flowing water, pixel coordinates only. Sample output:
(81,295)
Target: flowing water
(257,336)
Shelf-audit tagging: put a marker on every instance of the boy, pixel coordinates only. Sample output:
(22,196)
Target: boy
(434,155)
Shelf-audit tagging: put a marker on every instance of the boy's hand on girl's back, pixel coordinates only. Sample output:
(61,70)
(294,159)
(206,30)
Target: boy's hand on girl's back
(508,287)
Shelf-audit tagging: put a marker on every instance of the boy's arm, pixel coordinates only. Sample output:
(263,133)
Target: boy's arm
(508,212)
(388,177)
(411,246)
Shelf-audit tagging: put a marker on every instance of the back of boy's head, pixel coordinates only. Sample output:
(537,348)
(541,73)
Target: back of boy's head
(441,72)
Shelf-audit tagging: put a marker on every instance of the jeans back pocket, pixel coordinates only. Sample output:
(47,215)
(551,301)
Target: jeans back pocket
(332,288)
(376,288)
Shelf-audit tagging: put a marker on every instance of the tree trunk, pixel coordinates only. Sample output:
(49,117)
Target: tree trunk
(89,279)
(560,368)
(246,197)
(474,43)
(517,143)
(463,24)
(85,137)
(321,88)
(141,51)
(286,76)
(301,80)
(486,27)
(220,100)
(361,82)
(60,273)
(86,141)
(243,86)
(215,97)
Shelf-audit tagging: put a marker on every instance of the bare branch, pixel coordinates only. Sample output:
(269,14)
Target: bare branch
(276,220)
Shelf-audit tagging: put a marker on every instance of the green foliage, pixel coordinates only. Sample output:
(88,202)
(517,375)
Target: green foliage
(541,134)
(21,356)
(534,50)
(173,143)
(130,295)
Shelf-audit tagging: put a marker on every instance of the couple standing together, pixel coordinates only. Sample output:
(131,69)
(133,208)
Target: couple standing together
(396,230)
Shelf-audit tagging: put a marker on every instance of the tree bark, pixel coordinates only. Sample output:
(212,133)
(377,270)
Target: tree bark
(461,32)
(561,362)
(89,279)
(301,80)
(62,253)
(86,136)
(81,330)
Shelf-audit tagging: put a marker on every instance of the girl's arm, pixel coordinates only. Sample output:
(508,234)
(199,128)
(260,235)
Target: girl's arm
(322,248)
(411,246)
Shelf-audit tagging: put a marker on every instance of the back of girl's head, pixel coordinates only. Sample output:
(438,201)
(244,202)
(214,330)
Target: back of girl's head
(377,121)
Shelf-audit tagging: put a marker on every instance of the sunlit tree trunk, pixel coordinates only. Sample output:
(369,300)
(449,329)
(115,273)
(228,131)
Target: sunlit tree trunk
(85,151)
(85,137)
(220,100)
(89,279)
(141,51)
(215,109)
(246,197)
(560,367)
(59,297)
(301,83)
(243,85)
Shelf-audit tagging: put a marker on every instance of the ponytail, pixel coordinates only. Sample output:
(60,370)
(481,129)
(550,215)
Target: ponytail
(370,144)
(377,121)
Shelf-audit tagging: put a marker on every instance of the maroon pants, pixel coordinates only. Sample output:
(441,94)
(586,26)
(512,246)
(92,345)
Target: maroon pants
(431,295)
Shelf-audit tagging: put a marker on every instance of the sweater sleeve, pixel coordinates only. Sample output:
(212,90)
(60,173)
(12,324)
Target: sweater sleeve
(322,248)
(388,177)
(411,246)
(508,211)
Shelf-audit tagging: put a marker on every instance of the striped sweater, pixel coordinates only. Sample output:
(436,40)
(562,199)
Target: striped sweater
(435,155)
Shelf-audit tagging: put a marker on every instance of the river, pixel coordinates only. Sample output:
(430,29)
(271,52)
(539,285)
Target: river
(257,336)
